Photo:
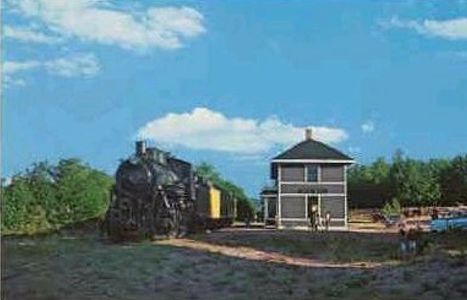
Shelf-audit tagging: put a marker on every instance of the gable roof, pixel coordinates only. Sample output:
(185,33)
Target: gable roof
(313,150)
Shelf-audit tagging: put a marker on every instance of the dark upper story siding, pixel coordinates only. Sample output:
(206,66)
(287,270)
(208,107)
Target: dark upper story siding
(332,173)
(296,172)
(292,172)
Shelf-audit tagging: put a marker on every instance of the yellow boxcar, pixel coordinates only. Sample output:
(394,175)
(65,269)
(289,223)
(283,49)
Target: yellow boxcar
(214,203)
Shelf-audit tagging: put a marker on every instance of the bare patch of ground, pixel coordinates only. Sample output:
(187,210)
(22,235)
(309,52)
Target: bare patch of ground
(253,254)
(234,264)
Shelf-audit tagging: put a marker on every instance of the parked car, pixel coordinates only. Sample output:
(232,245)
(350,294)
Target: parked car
(449,223)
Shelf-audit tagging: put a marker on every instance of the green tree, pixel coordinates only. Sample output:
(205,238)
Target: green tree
(209,172)
(42,184)
(454,181)
(369,185)
(413,182)
(48,196)
(20,210)
(380,171)
(82,192)
(16,198)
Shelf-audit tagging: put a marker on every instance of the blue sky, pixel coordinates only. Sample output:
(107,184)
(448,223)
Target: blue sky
(232,82)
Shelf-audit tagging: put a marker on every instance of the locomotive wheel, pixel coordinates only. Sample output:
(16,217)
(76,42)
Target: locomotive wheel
(182,230)
(167,224)
(174,225)
(183,224)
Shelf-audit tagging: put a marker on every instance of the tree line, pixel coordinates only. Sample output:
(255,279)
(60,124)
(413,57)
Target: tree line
(434,182)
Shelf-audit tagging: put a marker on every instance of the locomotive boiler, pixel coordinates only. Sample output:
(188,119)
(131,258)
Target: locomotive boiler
(156,194)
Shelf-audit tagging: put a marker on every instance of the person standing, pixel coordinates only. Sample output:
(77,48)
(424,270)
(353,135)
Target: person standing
(421,243)
(412,241)
(314,218)
(403,239)
(327,220)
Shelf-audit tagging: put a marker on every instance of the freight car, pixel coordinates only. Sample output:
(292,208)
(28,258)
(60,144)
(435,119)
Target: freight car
(215,207)
(156,194)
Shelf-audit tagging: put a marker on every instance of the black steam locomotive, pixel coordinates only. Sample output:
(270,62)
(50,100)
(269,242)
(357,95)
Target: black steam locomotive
(156,194)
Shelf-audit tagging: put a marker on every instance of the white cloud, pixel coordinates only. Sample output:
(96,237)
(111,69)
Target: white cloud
(81,65)
(25,34)
(71,66)
(368,126)
(97,21)
(9,81)
(10,67)
(204,129)
(77,65)
(453,29)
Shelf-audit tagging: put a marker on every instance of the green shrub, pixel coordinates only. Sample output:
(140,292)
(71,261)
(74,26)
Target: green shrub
(36,221)
(16,199)
(392,208)
(48,196)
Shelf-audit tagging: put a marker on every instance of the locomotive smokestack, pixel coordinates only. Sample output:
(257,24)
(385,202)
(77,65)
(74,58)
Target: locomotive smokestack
(140,148)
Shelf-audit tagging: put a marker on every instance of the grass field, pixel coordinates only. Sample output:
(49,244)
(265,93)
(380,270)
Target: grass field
(234,264)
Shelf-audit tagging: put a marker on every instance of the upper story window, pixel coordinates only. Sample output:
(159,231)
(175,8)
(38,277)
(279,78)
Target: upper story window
(312,173)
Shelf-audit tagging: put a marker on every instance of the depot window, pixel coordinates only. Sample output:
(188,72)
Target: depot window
(312,173)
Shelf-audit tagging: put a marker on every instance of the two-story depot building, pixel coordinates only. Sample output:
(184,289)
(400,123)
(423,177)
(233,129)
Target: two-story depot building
(309,175)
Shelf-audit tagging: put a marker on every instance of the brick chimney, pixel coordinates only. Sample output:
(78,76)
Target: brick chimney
(308,134)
